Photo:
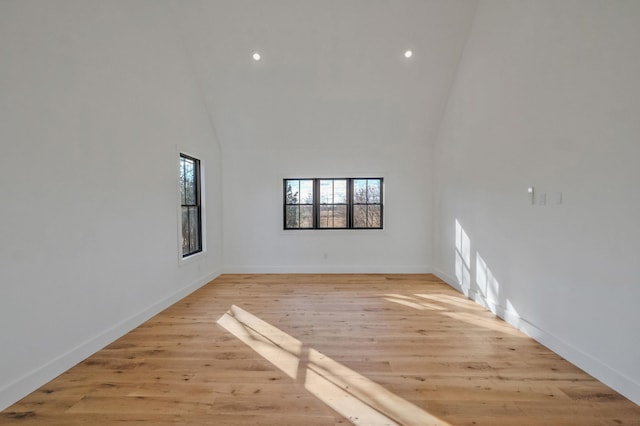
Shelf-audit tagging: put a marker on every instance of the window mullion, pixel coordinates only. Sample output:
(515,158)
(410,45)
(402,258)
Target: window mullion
(349,203)
(316,203)
(196,167)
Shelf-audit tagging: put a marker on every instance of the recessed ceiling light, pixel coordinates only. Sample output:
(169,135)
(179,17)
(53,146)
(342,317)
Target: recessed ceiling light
(408,54)
(256,56)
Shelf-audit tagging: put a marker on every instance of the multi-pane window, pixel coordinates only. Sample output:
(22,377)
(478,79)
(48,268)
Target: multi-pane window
(348,203)
(191,205)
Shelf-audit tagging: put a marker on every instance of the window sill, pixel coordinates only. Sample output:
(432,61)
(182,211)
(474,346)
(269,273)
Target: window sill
(191,258)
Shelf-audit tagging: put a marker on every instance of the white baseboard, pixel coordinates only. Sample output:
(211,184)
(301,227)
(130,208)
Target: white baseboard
(596,368)
(28,383)
(336,269)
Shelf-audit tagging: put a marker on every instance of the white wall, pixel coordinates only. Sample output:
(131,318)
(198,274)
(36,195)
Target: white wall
(547,95)
(332,96)
(254,240)
(95,97)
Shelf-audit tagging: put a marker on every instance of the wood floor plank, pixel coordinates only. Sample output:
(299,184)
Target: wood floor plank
(406,338)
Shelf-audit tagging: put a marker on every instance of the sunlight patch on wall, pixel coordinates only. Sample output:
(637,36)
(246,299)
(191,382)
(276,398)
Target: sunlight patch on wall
(487,283)
(485,289)
(462,258)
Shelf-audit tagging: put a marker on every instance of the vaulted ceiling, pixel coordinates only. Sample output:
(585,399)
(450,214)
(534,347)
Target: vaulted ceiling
(332,73)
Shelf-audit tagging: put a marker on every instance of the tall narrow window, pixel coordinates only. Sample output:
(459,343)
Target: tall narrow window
(191,205)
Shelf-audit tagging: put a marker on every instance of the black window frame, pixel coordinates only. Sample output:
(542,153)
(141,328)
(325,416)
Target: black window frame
(192,242)
(290,201)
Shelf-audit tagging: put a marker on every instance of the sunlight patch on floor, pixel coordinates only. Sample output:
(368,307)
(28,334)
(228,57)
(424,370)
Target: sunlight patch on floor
(411,302)
(457,302)
(280,349)
(494,323)
(351,394)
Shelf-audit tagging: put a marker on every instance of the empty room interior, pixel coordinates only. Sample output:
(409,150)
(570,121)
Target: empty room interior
(320,212)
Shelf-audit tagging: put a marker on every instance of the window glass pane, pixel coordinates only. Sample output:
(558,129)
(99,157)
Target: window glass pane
(373,191)
(340,216)
(373,216)
(194,228)
(360,216)
(326,191)
(340,191)
(190,182)
(306,191)
(292,194)
(185,229)
(182,182)
(359,191)
(333,191)
(367,216)
(298,191)
(306,216)
(333,216)
(292,219)
(326,216)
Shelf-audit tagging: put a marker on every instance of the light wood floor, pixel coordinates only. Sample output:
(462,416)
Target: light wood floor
(324,350)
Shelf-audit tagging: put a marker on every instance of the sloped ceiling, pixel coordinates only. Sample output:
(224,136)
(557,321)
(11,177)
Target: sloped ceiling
(332,72)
